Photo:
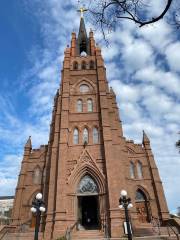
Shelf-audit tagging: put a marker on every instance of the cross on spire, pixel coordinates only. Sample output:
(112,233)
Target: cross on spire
(82,10)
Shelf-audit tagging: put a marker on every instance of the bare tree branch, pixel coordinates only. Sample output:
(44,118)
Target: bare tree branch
(107,13)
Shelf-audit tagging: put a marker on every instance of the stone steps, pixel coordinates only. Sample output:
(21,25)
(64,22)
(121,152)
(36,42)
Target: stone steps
(87,234)
(21,236)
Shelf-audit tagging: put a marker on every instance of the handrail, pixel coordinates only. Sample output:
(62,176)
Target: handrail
(156,224)
(69,231)
(105,228)
(172,228)
(5,230)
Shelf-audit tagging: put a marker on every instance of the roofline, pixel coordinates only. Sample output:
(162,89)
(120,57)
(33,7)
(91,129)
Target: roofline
(6,197)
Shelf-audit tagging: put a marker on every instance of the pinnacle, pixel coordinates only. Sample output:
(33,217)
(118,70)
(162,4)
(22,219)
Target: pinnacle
(28,143)
(145,138)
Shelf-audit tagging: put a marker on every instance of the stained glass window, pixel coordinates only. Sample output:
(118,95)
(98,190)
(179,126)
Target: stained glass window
(87,185)
(140,196)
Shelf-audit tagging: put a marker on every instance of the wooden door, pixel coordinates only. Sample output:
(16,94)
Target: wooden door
(142,211)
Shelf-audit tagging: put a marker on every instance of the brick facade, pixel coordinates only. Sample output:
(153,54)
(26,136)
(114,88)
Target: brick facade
(57,168)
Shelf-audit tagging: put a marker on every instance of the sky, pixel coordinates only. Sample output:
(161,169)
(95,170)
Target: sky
(143,67)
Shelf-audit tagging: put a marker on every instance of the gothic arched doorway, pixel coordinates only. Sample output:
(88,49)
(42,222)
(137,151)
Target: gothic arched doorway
(142,207)
(88,204)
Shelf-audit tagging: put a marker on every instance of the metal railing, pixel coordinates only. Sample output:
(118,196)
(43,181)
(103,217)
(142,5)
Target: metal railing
(69,231)
(172,225)
(156,225)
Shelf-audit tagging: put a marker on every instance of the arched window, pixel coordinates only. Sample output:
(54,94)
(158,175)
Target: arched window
(76,136)
(139,170)
(132,170)
(95,135)
(91,64)
(85,136)
(79,106)
(84,88)
(89,105)
(140,196)
(87,185)
(83,65)
(75,65)
(37,174)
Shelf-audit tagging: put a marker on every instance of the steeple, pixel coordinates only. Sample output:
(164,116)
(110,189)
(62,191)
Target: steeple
(82,40)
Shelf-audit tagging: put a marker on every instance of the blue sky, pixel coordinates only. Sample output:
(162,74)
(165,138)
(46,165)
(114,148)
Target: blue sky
(143,67)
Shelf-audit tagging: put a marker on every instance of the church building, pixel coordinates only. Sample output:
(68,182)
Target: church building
(88,160)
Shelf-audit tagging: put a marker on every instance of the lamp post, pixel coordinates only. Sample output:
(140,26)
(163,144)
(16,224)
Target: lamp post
(125,203)
(37,208)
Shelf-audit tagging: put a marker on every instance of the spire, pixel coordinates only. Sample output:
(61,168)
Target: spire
(82,30)
(145,138)
(82,35)
(28,144)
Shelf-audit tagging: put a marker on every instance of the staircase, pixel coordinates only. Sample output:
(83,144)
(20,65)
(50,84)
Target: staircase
(21,236)
(148,232)
(88,234)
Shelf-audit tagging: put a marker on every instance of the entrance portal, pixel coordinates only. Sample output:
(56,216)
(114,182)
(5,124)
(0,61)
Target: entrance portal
(88,203)
(88,212)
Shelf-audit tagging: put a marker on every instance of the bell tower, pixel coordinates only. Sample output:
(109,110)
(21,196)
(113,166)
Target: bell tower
(85,136)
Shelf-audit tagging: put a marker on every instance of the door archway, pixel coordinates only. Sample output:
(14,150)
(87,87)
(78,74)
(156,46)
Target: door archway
(88,204)
(142,207)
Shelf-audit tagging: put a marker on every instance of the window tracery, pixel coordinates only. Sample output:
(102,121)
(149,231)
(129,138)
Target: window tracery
(87,185)
(140,196)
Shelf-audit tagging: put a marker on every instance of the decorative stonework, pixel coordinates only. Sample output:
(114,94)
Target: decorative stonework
(87,185)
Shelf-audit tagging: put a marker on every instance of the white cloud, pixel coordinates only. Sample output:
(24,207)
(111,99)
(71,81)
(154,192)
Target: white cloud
(159,35)
(137,55)
(125,92)
(169,81)
(173,56)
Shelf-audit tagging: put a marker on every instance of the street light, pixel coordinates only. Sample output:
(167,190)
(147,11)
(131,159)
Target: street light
(37,208)
(125,203)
